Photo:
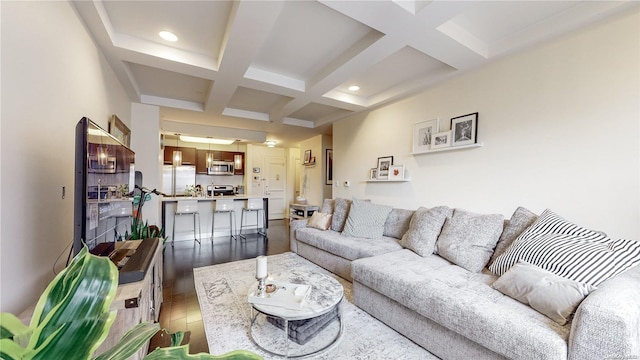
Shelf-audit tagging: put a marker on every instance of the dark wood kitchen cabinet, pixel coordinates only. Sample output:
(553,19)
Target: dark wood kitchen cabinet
(201,161)
(188,155)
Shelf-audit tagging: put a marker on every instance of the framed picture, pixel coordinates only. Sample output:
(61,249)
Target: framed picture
(119,130)
(384,163)
(328,162)
(373,174)
(464,129)
(307,156)
(422,133)
(396,172)
(441,140)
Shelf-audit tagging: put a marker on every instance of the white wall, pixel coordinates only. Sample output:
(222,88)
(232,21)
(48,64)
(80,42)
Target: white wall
(560,125)
(52,75)
(145,141)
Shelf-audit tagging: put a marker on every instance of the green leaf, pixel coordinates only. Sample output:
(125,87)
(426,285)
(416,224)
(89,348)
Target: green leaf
(11,326)
(182,353)
(72,315)
(176,338)
(10,350)
(130,342)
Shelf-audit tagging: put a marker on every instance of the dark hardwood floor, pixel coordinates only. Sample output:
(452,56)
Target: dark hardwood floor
(180,310)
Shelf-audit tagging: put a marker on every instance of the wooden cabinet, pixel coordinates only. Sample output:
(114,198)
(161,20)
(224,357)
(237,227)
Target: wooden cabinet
(217,155)
(137,302)
(188,155)
(201,161)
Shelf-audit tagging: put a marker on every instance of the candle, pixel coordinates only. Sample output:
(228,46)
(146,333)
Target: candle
(261,267)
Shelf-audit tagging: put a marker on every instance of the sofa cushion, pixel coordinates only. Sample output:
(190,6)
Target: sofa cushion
(519,222)
(467,239)
(340,211)
(550,294)
(463,302)
(350,248)
(570,251)
(397,223)
(320,221)
(366,219)
(424,229)
(327,206)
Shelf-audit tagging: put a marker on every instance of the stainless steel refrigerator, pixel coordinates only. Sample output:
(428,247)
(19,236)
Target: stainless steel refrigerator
(184,175)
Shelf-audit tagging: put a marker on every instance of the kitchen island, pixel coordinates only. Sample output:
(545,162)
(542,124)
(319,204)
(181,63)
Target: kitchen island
(206,205)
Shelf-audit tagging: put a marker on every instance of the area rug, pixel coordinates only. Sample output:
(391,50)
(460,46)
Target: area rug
(222,293)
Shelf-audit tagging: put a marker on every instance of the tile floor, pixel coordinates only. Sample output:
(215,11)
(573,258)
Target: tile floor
(180,310)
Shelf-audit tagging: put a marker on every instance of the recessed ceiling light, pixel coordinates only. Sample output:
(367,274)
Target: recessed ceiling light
(354,88)
(169,36)
(270,143)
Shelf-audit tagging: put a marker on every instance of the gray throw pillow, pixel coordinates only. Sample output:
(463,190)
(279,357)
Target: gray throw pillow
(366,220)
(547,293)
(340,211)
(519,222)
(327,206)
(468,239)
(424,229)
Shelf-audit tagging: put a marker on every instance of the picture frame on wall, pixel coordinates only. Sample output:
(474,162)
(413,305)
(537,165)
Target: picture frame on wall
(464,129)
(441,140)
(384,163)
(119,130)
(373,174)
(396,172)
(328,167)
(422,133)
(307,156)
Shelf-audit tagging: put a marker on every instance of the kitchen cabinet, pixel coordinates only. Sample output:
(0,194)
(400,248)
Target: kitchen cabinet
(201,161)
(188,155)
(223,155)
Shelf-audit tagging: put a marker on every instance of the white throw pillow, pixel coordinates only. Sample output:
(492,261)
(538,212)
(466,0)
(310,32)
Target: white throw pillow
(547,293)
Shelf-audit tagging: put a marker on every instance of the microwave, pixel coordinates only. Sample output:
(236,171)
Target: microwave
(219,167)
(102,166)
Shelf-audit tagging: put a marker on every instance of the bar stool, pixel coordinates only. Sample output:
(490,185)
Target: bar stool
(224,206)
(253,205)
(187,207)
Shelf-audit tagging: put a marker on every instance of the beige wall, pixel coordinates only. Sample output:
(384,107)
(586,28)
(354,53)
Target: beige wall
(560,125)
(52,75)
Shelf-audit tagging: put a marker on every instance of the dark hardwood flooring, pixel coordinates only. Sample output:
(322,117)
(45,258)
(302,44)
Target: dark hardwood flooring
(180,310)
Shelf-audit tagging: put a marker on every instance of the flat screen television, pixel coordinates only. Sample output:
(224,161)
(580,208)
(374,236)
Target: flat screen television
(104,176)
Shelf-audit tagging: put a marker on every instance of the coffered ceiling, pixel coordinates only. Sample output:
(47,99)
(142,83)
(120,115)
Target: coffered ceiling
(280,70)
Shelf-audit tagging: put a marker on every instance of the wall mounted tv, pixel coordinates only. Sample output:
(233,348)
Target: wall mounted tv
(104,176)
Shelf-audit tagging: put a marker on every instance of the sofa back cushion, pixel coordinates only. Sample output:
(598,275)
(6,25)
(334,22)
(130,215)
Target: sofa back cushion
(467,239)
(340,212)
(327,206)
(366,219)
(424,229)
(397,223)
(519,222)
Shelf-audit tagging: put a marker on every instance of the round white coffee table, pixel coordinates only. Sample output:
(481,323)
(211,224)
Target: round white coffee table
(319,310)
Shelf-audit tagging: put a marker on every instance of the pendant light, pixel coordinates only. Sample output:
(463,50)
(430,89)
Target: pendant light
(209,156)
(237,158)
(177,154)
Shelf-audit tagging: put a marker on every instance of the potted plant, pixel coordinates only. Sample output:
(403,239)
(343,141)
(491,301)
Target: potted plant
(72,318)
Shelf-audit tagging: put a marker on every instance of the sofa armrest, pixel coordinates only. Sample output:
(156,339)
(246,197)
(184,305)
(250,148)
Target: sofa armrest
(293,226)
(606,325)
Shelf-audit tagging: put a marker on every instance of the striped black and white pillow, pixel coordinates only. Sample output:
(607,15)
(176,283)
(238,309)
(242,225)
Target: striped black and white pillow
(569,251)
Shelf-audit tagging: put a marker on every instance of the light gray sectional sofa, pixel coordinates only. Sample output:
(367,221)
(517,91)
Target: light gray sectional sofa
(439,277)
